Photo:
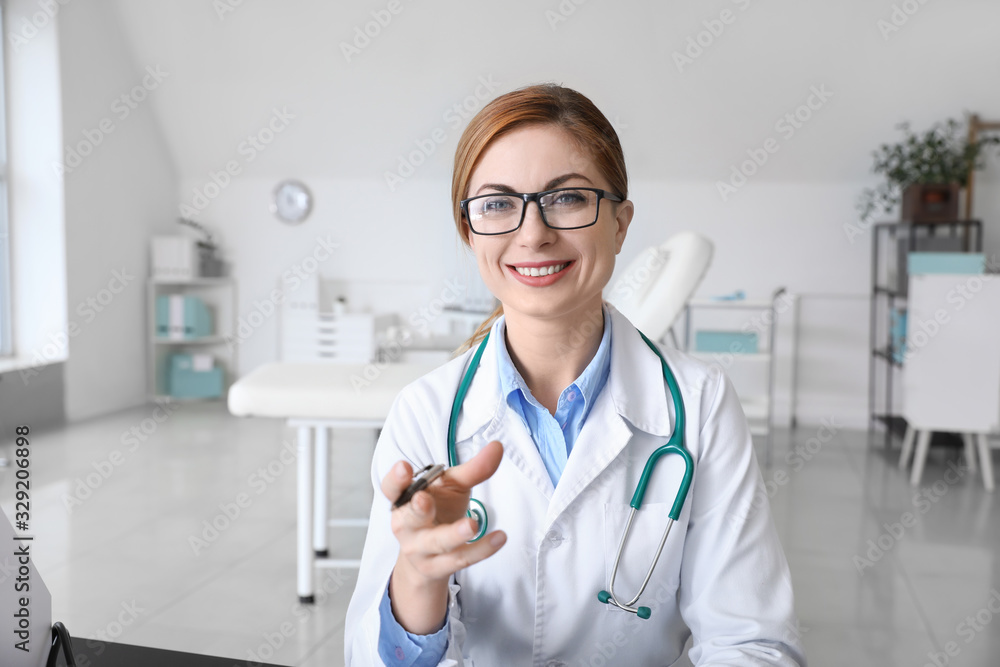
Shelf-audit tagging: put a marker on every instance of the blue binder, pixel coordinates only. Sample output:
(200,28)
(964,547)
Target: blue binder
(196,320)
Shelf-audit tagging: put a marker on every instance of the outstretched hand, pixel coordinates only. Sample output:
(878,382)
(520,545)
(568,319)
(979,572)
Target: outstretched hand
(432,529)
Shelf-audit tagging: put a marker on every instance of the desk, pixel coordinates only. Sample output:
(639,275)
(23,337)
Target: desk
(110,654)
(315,397)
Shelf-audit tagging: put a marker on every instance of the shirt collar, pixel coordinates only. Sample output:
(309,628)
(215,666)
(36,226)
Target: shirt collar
(635,382)
(588,382)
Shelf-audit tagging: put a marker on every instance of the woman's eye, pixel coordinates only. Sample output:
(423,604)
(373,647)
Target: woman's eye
(497,205)
(572,198)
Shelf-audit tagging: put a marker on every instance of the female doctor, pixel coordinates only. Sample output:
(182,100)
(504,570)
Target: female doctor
(565,405)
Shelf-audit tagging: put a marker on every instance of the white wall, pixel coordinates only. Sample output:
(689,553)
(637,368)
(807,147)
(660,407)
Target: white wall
(354,120)
(120,194)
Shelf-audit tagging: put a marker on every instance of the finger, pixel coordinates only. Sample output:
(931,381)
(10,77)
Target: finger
(465,555)
(396,480)
(479,468)
(437,540)
(418,514)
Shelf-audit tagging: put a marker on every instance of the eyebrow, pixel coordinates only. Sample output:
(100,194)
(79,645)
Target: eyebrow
(554,183)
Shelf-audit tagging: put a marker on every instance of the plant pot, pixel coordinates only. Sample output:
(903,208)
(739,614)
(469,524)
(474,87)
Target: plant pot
(930,202)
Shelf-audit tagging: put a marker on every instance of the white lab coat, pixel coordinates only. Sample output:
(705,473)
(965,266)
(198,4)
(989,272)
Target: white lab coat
(722,575)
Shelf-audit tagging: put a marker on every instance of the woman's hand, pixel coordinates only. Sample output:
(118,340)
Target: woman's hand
(433,534)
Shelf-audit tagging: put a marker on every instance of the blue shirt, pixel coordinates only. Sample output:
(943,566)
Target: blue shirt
(554,435)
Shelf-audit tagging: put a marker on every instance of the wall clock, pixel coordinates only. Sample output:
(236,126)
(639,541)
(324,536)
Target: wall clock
(292,202)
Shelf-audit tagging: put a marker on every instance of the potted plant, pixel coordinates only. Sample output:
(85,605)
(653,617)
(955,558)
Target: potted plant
(924,173)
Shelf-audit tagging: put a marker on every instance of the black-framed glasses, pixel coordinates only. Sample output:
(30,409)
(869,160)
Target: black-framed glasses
(562,208)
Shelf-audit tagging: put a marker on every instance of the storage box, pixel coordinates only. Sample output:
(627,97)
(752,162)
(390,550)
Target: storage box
(175,257)
(734,342)
(946,262)
(185,382)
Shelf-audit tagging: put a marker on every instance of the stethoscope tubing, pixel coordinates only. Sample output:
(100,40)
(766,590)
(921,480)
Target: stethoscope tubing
(675,445)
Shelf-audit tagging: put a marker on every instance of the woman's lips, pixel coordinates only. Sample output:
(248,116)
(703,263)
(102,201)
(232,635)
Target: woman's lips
(540,281)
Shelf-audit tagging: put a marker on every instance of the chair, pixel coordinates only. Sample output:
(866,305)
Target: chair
(951,369)
(655,287)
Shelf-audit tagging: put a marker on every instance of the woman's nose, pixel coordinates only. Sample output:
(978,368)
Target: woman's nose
(533,229)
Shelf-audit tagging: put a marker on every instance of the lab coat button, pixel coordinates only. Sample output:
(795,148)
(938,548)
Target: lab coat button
(554,538)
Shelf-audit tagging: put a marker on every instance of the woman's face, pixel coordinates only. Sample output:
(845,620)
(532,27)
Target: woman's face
(532,159)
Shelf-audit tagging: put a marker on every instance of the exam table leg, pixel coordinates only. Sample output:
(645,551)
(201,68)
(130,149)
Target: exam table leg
(920,456)
(304,520)
(970,450)
(904,456)
(985,460)
(321,492)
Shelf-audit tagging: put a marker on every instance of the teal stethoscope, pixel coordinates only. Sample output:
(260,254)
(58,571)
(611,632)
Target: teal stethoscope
(674,446)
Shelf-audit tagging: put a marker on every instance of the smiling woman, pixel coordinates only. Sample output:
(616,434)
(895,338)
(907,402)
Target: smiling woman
(560,412)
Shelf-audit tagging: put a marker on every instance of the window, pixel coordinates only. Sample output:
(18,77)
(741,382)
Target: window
(6,348)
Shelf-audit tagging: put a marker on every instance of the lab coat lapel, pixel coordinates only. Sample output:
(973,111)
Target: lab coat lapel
(633,398)
(484,407)
(601,440)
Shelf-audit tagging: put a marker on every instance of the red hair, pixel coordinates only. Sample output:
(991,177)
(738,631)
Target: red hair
(545,104)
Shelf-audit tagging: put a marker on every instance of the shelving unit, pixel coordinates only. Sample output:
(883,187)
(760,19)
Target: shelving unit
(889,282)
(219,294)
(758,407)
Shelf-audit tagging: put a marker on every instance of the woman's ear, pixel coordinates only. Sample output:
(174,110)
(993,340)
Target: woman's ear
(623,218)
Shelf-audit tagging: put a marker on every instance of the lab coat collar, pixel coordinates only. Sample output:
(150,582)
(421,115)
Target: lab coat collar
(638,388)
(636,385)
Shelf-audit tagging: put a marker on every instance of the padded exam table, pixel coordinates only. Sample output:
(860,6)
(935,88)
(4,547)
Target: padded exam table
(315,397)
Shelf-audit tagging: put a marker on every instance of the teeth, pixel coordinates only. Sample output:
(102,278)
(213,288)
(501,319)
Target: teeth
(541,271)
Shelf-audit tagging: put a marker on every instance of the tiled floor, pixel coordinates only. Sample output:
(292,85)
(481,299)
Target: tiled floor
(123,559)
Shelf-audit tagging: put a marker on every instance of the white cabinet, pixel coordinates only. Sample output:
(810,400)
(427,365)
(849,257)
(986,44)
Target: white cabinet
(219,295)
(313,328)
(951,364)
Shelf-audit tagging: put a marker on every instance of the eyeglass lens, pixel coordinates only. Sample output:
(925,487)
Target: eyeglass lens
(492,214)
